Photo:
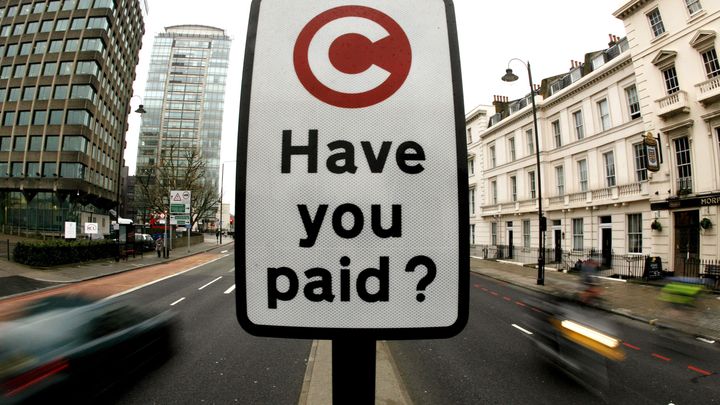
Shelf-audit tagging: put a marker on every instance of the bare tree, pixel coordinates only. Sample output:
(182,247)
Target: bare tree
(177,170)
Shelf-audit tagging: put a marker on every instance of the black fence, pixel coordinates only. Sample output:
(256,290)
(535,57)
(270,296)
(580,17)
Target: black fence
(6,249)
(625,266)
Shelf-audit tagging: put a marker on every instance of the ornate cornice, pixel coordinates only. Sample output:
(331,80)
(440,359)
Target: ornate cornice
(630,8)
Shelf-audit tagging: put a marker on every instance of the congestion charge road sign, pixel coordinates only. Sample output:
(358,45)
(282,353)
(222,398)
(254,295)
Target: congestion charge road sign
(180,201)
(352,172)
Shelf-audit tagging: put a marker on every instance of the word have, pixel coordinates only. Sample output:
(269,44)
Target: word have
(318,286)
(343,160)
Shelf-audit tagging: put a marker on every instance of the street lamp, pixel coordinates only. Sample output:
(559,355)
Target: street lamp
(509,76)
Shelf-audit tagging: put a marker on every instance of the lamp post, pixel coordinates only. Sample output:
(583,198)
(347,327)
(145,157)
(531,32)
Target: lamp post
(542,224)
(222,185)
(140,110)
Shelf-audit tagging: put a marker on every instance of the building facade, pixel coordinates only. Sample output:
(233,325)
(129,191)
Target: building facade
(184,97)
(66,74)
(601,193)
(476,122)
(675,60)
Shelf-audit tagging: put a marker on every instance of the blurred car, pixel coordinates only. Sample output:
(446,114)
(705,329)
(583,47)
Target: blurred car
(144,241)
(70,349)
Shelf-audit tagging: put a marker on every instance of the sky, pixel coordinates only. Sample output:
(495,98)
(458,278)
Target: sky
(548,34)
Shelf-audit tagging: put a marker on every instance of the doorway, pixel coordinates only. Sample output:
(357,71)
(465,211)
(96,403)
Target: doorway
(687,243)
(606,247)
(558,245)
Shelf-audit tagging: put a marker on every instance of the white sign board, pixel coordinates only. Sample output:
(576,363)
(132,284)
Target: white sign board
(353,168)
(70,230)
(91,228)
(180,197)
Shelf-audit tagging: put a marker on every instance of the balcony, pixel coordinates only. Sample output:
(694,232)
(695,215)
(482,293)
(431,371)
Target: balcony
(708,91)
(676,103)
(684,186)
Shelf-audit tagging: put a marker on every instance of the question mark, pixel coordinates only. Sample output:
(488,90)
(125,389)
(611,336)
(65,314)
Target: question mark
(427,278)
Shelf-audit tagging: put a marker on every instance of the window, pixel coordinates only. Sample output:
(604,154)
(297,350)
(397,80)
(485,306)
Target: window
(493,192)
(98,23)
(18,29)
(511,147)
(33,70)
(32,27)
(35,143)
(39,8)
(579,127)
(693,6)
(5,31)
(28,93)
(77,24)
(72,170)
(471,201)
(55,118)
(656,24)
(556,133)
(14,94)
(87,92)
(471,162)
(11,50)
(634,231)
(62,25)
(526,233)
(54,5)
(491,152)
(92,44)
(23,118)
(472,234)
(65,68)
(84,4)
(671,80)
(44,92)
(46,26)
(604,112)
(560,179)
(9,119)
(684,169)
(5,72)
(39,117)
(19,144)
(530,141)
(3,169)
(493,233)
(40,47)
(33,169)
(640,163)
(52,143)
(17,169)
(61,92)
(50,69)
(71,45)
(25,9)
(25,48)
(56,46)
(49,170)
(78,117)
(710,61)
(19,71)
(87,68)
(577,226)
(513,188)
(68,5)
(469,135)
(531,180)
(633,102)
(609,159)
(74,144)
(583,175)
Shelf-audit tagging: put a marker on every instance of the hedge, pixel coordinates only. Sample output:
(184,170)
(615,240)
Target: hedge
(59,252)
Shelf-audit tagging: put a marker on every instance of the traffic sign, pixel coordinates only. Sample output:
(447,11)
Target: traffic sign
(353,203)
(180,201)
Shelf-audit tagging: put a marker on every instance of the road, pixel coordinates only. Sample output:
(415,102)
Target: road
(216,362)
(492,361)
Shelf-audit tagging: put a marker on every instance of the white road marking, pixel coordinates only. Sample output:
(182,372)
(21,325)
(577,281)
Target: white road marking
(708,341)
(231,270)
(223,251)
(177,302)
(231,289)
(210,283)
(522,329)
(161,279)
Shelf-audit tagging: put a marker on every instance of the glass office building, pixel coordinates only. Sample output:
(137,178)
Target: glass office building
(184,98)
(66,74)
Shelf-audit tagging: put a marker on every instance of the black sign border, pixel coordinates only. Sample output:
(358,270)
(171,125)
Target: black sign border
(463,212)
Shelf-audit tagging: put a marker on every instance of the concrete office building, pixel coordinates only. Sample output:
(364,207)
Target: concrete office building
(66,74)
(184,97)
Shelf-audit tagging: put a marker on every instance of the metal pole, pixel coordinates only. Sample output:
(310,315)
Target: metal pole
(189,225)
(353,371)
(222,174)
(541,223)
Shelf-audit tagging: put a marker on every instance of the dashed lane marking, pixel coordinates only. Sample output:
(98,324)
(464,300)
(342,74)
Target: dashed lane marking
(177,302)
(522,329)
(210,283)
(231,289)
(663,358)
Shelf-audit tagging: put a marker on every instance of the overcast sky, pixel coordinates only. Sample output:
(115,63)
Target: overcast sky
(547,33)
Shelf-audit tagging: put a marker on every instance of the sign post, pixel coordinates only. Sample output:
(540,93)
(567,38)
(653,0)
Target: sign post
(352,179)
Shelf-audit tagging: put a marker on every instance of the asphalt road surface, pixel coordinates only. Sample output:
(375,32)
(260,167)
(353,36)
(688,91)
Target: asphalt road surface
(215,361)
(493,361)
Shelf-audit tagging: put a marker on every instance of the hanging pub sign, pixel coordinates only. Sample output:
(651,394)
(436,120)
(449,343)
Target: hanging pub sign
(651,152)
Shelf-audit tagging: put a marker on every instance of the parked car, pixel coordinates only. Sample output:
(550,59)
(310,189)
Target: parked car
(145,241)
(69,349)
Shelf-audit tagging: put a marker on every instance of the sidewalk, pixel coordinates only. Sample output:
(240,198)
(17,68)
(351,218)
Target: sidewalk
(17,278)
(631,299)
